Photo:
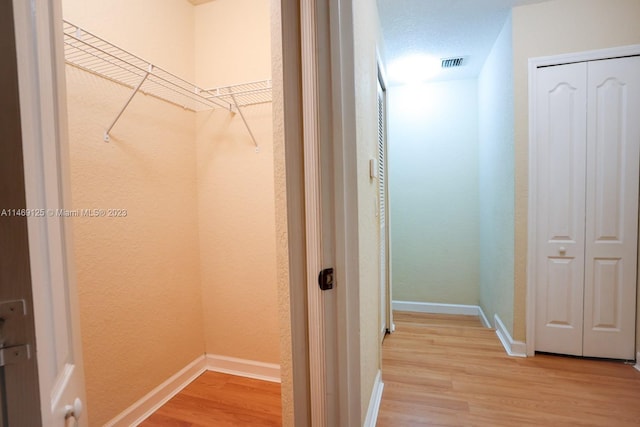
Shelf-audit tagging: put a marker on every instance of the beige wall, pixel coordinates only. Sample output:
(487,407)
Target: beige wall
(138,281)
(232,42)
(551,28)
(159,31)
(138,277)
(366,28)
(192,266)
(236,186)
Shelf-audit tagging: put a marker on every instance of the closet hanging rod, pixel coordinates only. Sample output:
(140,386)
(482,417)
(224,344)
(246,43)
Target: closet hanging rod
(93,54)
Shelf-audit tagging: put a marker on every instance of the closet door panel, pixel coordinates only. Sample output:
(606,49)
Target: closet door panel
(613,152)
(560,141)
(607,291)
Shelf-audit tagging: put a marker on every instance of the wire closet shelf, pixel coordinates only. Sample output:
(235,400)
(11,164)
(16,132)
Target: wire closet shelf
(95,55)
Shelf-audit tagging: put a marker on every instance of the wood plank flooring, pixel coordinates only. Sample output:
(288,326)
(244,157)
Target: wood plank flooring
(442,370)
(216,399)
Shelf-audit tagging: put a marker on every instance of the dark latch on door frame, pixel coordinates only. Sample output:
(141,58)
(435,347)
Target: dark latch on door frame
(325,279)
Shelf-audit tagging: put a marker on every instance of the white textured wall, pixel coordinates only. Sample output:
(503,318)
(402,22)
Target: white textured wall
(433,179)
(552,28)
(496,179)
(366,28)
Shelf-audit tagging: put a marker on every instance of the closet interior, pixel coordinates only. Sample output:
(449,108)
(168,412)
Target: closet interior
(177,270)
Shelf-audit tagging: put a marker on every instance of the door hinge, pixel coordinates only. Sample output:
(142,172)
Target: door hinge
(15,354)
(11,352)
(325,279)
(12,308)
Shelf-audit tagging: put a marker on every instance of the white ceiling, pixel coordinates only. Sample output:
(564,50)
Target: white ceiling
(443,29)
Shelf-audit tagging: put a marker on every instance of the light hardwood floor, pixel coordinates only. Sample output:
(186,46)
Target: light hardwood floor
(216,399)
(442,370)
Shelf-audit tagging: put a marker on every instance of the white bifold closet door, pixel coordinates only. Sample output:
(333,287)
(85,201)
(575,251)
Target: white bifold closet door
(588,140)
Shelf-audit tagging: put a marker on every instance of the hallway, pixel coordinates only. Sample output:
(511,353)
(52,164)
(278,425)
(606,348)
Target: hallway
(449,370)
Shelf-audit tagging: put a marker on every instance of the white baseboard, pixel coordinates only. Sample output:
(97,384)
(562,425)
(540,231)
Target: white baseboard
(513,348)
(374,401)
(244,368)
(438,308)
(147,405)
(484,319)
(637,365)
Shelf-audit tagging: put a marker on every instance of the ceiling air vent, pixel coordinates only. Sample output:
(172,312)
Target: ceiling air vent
(453,62)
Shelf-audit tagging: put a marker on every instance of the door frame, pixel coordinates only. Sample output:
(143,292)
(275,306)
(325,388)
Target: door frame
(345,209)
(533,65)
(321,323)
(329,180)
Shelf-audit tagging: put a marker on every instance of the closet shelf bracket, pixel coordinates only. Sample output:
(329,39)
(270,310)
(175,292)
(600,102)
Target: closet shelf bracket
(126,104)
(244,120)
(243,95)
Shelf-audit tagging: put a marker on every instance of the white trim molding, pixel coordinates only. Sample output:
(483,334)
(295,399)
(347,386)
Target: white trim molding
(374,401)
(512,347)
(637,365)
(439,308)
(152,401)
(534,64)
(312,120)
(345,217)
(243,368)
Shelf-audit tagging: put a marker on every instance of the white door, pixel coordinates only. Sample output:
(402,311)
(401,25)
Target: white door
(561,110)
(38,30)
(587,192)
(613,150)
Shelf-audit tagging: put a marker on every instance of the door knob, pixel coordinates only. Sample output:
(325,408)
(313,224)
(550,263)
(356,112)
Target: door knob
(562,250)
